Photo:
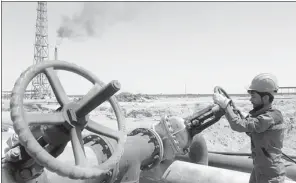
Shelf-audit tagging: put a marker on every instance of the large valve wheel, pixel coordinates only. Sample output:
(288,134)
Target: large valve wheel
(220,90)
(73,114)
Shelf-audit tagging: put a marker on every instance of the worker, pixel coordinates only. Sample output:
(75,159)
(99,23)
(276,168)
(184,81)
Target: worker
(264,125)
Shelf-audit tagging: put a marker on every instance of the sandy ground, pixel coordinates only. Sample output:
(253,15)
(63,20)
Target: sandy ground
(219,136)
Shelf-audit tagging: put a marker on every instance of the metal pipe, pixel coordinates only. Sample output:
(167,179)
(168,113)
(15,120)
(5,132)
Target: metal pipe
(244,164)
(183,172)
(289,157)
(198,151)
(238,163)
(137,149)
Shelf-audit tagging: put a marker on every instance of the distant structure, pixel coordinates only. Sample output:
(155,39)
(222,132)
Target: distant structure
(40,85)
(287,90)
(56,53)
(7,94)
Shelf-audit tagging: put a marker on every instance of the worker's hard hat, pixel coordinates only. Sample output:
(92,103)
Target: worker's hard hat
(264,82)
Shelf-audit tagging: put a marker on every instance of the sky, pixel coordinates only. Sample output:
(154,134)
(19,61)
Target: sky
(157,47)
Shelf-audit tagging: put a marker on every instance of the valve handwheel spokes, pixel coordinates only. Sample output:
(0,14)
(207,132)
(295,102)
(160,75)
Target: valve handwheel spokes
(220,90)
(73,114)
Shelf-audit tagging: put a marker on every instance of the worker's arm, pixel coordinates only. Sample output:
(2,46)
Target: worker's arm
(248,124)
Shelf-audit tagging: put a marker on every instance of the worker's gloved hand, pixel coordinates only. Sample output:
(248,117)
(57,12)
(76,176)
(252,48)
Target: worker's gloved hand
(11,142)
(12,150)
(221,100)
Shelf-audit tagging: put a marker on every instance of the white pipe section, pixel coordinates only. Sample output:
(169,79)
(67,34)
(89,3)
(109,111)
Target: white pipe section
(183,172)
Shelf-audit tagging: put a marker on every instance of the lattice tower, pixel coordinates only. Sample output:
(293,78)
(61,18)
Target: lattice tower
(40,85)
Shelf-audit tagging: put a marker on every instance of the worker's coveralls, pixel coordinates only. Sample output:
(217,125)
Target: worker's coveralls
(266,129)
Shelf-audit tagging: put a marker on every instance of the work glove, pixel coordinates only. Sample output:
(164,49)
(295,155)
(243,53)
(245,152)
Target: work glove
(221,100)
(12,150)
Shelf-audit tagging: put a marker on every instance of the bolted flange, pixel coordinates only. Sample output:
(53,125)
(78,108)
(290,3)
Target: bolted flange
(158,152)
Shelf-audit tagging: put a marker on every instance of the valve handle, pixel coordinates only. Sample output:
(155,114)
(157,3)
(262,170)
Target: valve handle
(220,90)
(73,114)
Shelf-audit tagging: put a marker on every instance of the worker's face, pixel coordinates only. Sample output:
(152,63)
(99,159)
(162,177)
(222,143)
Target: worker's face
(255,99)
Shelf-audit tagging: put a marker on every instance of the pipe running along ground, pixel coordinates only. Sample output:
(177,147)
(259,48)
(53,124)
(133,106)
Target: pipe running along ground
(287,157)
(199,154)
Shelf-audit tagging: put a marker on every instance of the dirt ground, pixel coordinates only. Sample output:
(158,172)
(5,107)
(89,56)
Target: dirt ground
(144,112)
